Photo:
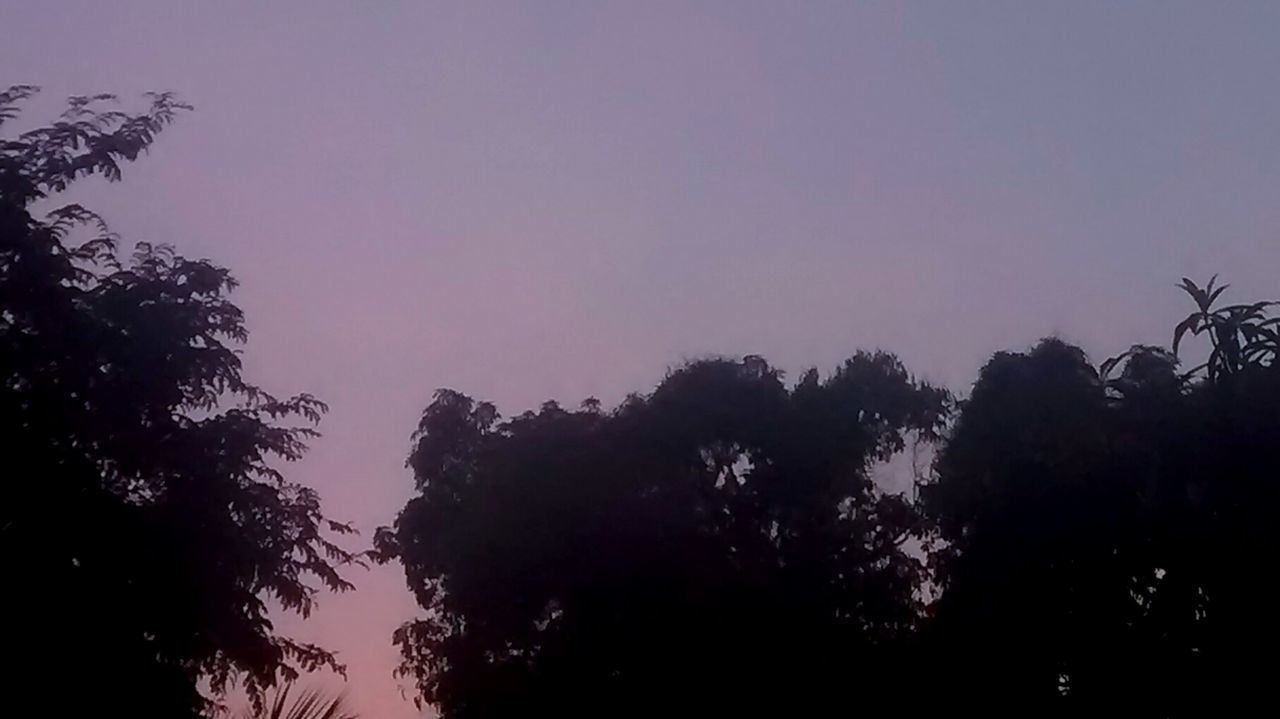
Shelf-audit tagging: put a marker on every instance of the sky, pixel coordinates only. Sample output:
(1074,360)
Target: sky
(536,200)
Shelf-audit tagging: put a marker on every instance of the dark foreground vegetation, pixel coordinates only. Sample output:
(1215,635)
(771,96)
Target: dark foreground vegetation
(144,522)
(1087,540)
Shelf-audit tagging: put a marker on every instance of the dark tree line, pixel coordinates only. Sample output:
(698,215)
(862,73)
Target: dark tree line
(719,540)
(144,522)
(1096,540)
(1088,541)
(1109,534)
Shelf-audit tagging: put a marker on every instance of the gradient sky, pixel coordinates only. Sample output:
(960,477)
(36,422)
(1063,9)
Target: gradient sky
(560,199)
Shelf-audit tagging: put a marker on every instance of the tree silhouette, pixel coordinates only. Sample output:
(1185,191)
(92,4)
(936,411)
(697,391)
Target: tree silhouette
(1106,540)
(1094,540)
(144,520)
(715,545)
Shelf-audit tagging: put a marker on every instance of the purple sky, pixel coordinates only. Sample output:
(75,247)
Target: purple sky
(555,200)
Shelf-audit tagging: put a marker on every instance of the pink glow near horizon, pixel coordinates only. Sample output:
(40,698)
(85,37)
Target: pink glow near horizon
(535,200)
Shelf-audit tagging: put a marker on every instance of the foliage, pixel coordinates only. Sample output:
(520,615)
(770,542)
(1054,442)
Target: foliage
(1242,336)
(144,521)
(1104,539)
(716,544)
(308,704)
(1098,540)
(1090,541)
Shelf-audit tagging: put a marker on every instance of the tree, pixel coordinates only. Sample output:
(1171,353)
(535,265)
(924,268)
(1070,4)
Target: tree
(1104,540)
(144,520)
(716,545)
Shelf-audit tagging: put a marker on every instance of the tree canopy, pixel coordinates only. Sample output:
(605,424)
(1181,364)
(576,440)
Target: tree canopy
(718,543)
(1106,538)
(1089,539)
(144,518)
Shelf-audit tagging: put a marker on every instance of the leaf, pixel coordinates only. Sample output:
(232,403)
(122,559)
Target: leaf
(1256,351)
(1104,370)
(1197,294)
(309,704)
(1190,324)
(1191,373)
(1214,294)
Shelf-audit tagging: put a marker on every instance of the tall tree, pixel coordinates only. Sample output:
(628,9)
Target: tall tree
(1105,539)
(144,520)
(716,545)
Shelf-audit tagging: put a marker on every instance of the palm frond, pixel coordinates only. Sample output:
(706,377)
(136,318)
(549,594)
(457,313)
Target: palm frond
(308,703)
